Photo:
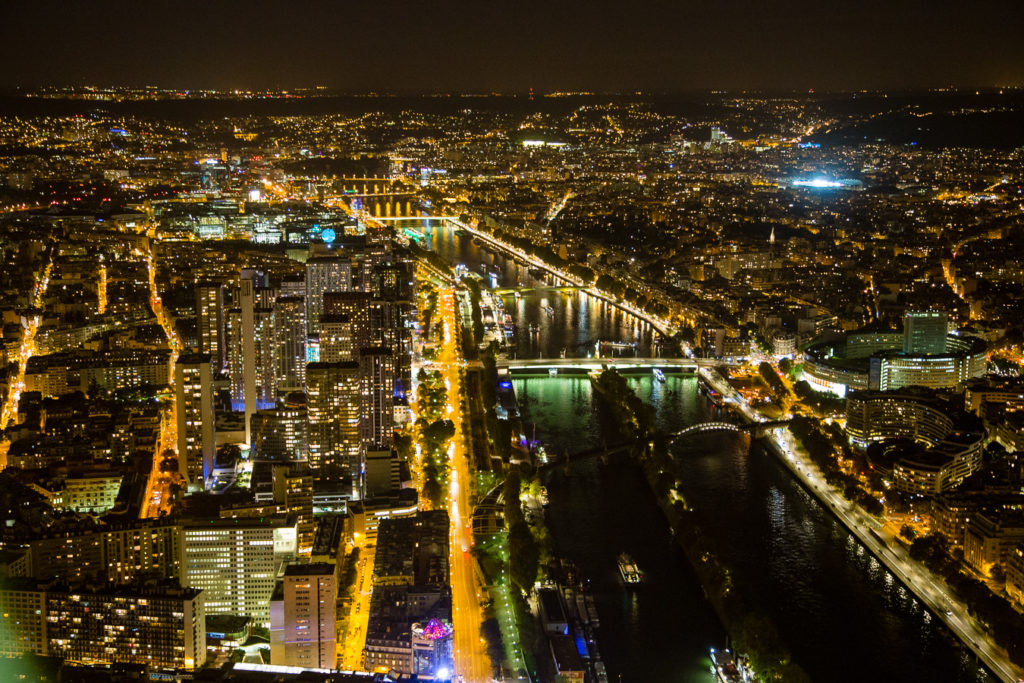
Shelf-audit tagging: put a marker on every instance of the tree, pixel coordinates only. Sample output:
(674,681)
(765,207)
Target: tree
(757,637)
(491,632)
(523,555)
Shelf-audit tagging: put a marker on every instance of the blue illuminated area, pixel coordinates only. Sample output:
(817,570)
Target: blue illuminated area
(824,183)
(817,183)
(328,235)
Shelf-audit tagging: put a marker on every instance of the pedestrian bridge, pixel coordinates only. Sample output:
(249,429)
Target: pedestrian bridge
(758,429)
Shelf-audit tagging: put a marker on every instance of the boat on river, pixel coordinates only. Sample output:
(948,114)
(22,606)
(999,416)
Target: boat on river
(630,572)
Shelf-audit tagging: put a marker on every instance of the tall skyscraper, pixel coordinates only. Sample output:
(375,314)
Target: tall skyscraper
(265,362)
(333,398)
(193,379)
(324,274)
(290,337)
(233,337)
(377,371)
(302,609)
(247,344)
(924,332)
(210,322)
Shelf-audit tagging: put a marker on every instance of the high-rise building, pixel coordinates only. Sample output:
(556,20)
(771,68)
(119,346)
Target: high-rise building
(302,612)
(355,306)
(247,342)
(293,490)
(324,274)
(290,338)
(210,321)
(377,371)
(335,338)
(195,417)
(279,434)
(265,362)
(23,605)
(334,395)
(162,626)
(234,339)
(236,561)
(924,332)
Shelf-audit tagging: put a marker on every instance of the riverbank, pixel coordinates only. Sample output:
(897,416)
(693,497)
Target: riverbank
(660,325)
(930,590)
(927,588)
(754,634)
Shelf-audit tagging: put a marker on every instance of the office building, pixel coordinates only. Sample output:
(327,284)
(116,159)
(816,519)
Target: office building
(265,360)
(290,341)
(293,491)
(333,395)
(195,417)
(324,274)
(279,434)
(876,360)
(924,332)
(233,339)
(302,617)
(355,307)
(377,371)
(210,321)
(336,339)
(382,472)
(236,561)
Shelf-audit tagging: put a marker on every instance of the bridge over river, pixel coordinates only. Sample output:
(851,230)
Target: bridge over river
(577,366)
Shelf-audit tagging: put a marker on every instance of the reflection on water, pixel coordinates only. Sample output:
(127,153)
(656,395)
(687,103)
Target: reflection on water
(843,616)
(566,322)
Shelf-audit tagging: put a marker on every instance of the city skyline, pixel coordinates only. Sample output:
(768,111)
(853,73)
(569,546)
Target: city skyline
(715,378)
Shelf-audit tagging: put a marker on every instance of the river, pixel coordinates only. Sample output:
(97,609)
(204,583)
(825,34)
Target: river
(841,613)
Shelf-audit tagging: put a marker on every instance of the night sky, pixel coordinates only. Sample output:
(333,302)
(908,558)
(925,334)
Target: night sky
(511,46)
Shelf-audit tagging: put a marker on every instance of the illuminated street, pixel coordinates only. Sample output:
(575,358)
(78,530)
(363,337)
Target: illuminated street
(352,641)
(471,660)
(605,349)
(26,350)
(157,499)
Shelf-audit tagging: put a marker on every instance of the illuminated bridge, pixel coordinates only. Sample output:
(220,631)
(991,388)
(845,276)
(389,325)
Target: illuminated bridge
(758,429)
(577,366)
(550,288)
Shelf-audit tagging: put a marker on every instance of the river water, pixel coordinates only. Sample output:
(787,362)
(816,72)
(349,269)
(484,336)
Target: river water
(842,615)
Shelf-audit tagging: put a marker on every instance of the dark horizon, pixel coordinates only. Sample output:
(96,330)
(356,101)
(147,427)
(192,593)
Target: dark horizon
(457,46)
